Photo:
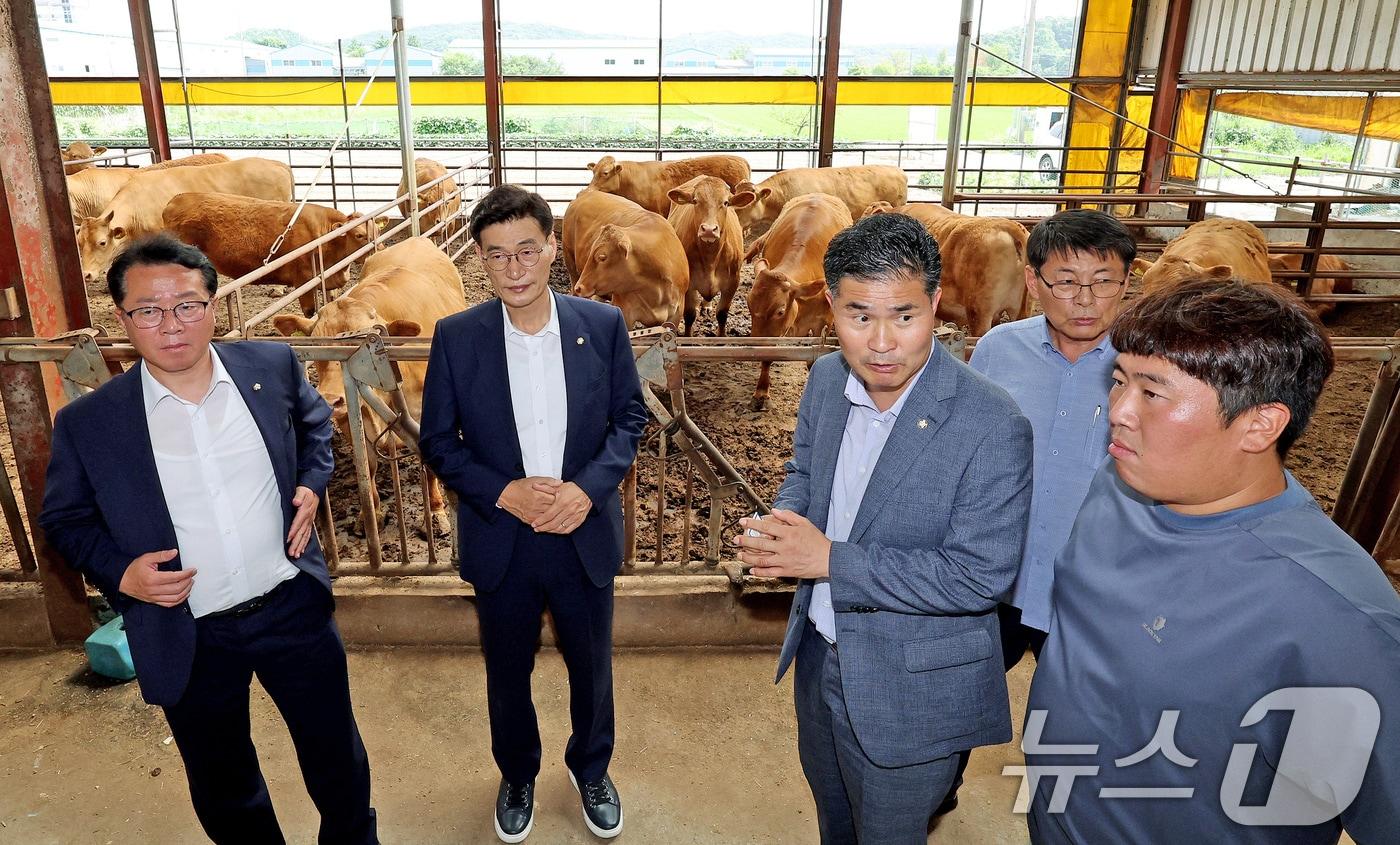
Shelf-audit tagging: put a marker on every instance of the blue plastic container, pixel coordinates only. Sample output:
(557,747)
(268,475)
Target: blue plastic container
(108,652)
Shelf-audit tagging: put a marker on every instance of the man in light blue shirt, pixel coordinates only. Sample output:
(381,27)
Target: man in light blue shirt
(1058,367)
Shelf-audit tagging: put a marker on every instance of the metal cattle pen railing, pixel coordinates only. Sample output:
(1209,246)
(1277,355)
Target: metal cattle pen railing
(369,361)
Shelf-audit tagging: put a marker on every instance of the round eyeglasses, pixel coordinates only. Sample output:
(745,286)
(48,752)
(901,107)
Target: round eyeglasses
(148,317)
(1100,288)
(528,257)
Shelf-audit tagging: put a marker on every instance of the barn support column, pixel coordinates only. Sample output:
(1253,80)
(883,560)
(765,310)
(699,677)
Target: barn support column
(1164,97)
(491,61)
(831,74)
(41,288)
(148,77)
(961,61)
(404,99)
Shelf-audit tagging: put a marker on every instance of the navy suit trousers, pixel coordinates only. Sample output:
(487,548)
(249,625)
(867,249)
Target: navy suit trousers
(857,801)
(545,572)
(293,646)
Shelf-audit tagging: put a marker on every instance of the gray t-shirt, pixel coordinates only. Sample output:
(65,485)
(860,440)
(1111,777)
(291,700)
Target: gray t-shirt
(1156,611)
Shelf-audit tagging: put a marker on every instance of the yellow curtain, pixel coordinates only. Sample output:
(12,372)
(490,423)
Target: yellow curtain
(1090,128)
(1190,131)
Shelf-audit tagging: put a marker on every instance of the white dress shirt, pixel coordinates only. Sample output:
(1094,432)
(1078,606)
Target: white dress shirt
(219,487)
(535,366)
(862,441)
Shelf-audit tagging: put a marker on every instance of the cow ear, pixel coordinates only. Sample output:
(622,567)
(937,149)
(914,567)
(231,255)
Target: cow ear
(1140,266)
(742,199)
(812,288)
(290,324)
(1278,262)
(403,328)
(765,193)
(97,151)
(680,197)
(759,265)
(118,232)
(592,164)
(1220,272)
(107,218)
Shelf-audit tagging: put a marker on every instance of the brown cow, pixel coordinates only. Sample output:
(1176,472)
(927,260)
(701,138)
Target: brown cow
(788,298)
(77,151)
(92,188)
(984,264)
(1220,248)
(857,187)
(197,160)
(648,183)
(702,214)
(138,208)
(1321,284)
(406,288)
(426,170)
(237,232)
(618,251)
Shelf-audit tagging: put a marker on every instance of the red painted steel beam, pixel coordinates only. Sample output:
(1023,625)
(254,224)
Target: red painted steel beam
(1164,97)
(148,78)
(831,72)
(491,60)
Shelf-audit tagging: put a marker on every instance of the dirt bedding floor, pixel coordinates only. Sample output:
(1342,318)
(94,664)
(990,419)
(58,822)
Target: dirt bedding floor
(757,443)
(706,755)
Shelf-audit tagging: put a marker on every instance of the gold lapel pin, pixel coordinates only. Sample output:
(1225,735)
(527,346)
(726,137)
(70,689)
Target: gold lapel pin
(579,341)
(923,423)
(257,385)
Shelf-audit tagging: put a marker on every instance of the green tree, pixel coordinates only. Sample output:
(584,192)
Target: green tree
(414,41)
(519,65)
(740,52)
(380,41)
(460,64)
(355,48)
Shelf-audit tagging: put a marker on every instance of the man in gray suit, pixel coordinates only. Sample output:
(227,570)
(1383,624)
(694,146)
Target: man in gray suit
(903,514)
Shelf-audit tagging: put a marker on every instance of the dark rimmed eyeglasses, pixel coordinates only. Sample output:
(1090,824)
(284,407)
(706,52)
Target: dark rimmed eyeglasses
(1100,288)
(528,257)
(150,316)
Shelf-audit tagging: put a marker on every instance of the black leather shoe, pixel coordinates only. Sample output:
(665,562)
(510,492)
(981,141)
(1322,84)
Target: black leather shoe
(515,810)
(602,809)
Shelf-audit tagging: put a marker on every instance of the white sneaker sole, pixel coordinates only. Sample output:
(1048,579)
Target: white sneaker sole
(597,831)
(519,837)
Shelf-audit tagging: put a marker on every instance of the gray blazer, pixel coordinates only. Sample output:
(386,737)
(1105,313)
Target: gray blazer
(936,543)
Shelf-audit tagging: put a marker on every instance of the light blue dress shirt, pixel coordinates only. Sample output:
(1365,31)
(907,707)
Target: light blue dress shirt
(1067,405)
(867,429)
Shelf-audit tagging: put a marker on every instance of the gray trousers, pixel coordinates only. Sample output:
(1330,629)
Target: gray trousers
(857,800)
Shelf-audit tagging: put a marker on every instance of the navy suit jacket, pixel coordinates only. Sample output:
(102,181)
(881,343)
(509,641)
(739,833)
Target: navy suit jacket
(103,505)
(935,544)
(468,435)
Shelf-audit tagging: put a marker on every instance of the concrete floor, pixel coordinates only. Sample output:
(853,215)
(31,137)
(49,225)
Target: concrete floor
(706,753)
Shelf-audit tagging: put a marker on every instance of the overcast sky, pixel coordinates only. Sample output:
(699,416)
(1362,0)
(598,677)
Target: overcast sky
(866,22)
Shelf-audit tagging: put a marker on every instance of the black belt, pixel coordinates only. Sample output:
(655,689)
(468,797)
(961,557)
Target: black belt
(252,605)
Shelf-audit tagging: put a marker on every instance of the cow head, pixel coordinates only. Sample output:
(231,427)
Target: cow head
(608,266)
(1172,270)
(880,207)
(366,232)
(98,244)
(714,206)
(776,300)
(607,173)
(341,316)
(758,215)
(77,151)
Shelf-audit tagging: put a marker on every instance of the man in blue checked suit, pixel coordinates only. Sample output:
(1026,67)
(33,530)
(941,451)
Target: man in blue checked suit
(903,513)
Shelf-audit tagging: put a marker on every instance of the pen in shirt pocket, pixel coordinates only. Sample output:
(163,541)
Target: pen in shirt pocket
(1091,448)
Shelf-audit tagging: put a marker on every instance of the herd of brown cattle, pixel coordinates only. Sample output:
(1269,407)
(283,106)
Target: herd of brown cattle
(657,239)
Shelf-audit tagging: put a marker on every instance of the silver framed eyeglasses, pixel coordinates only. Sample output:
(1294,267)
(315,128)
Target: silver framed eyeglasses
(150,316)
(1100,288)
(528,257)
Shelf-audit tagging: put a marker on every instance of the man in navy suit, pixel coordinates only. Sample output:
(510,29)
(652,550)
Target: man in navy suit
(185,490)
(532,411)
(903,512)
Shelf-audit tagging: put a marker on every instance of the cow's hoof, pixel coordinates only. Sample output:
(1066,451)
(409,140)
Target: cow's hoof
(442,524)
(758,403)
